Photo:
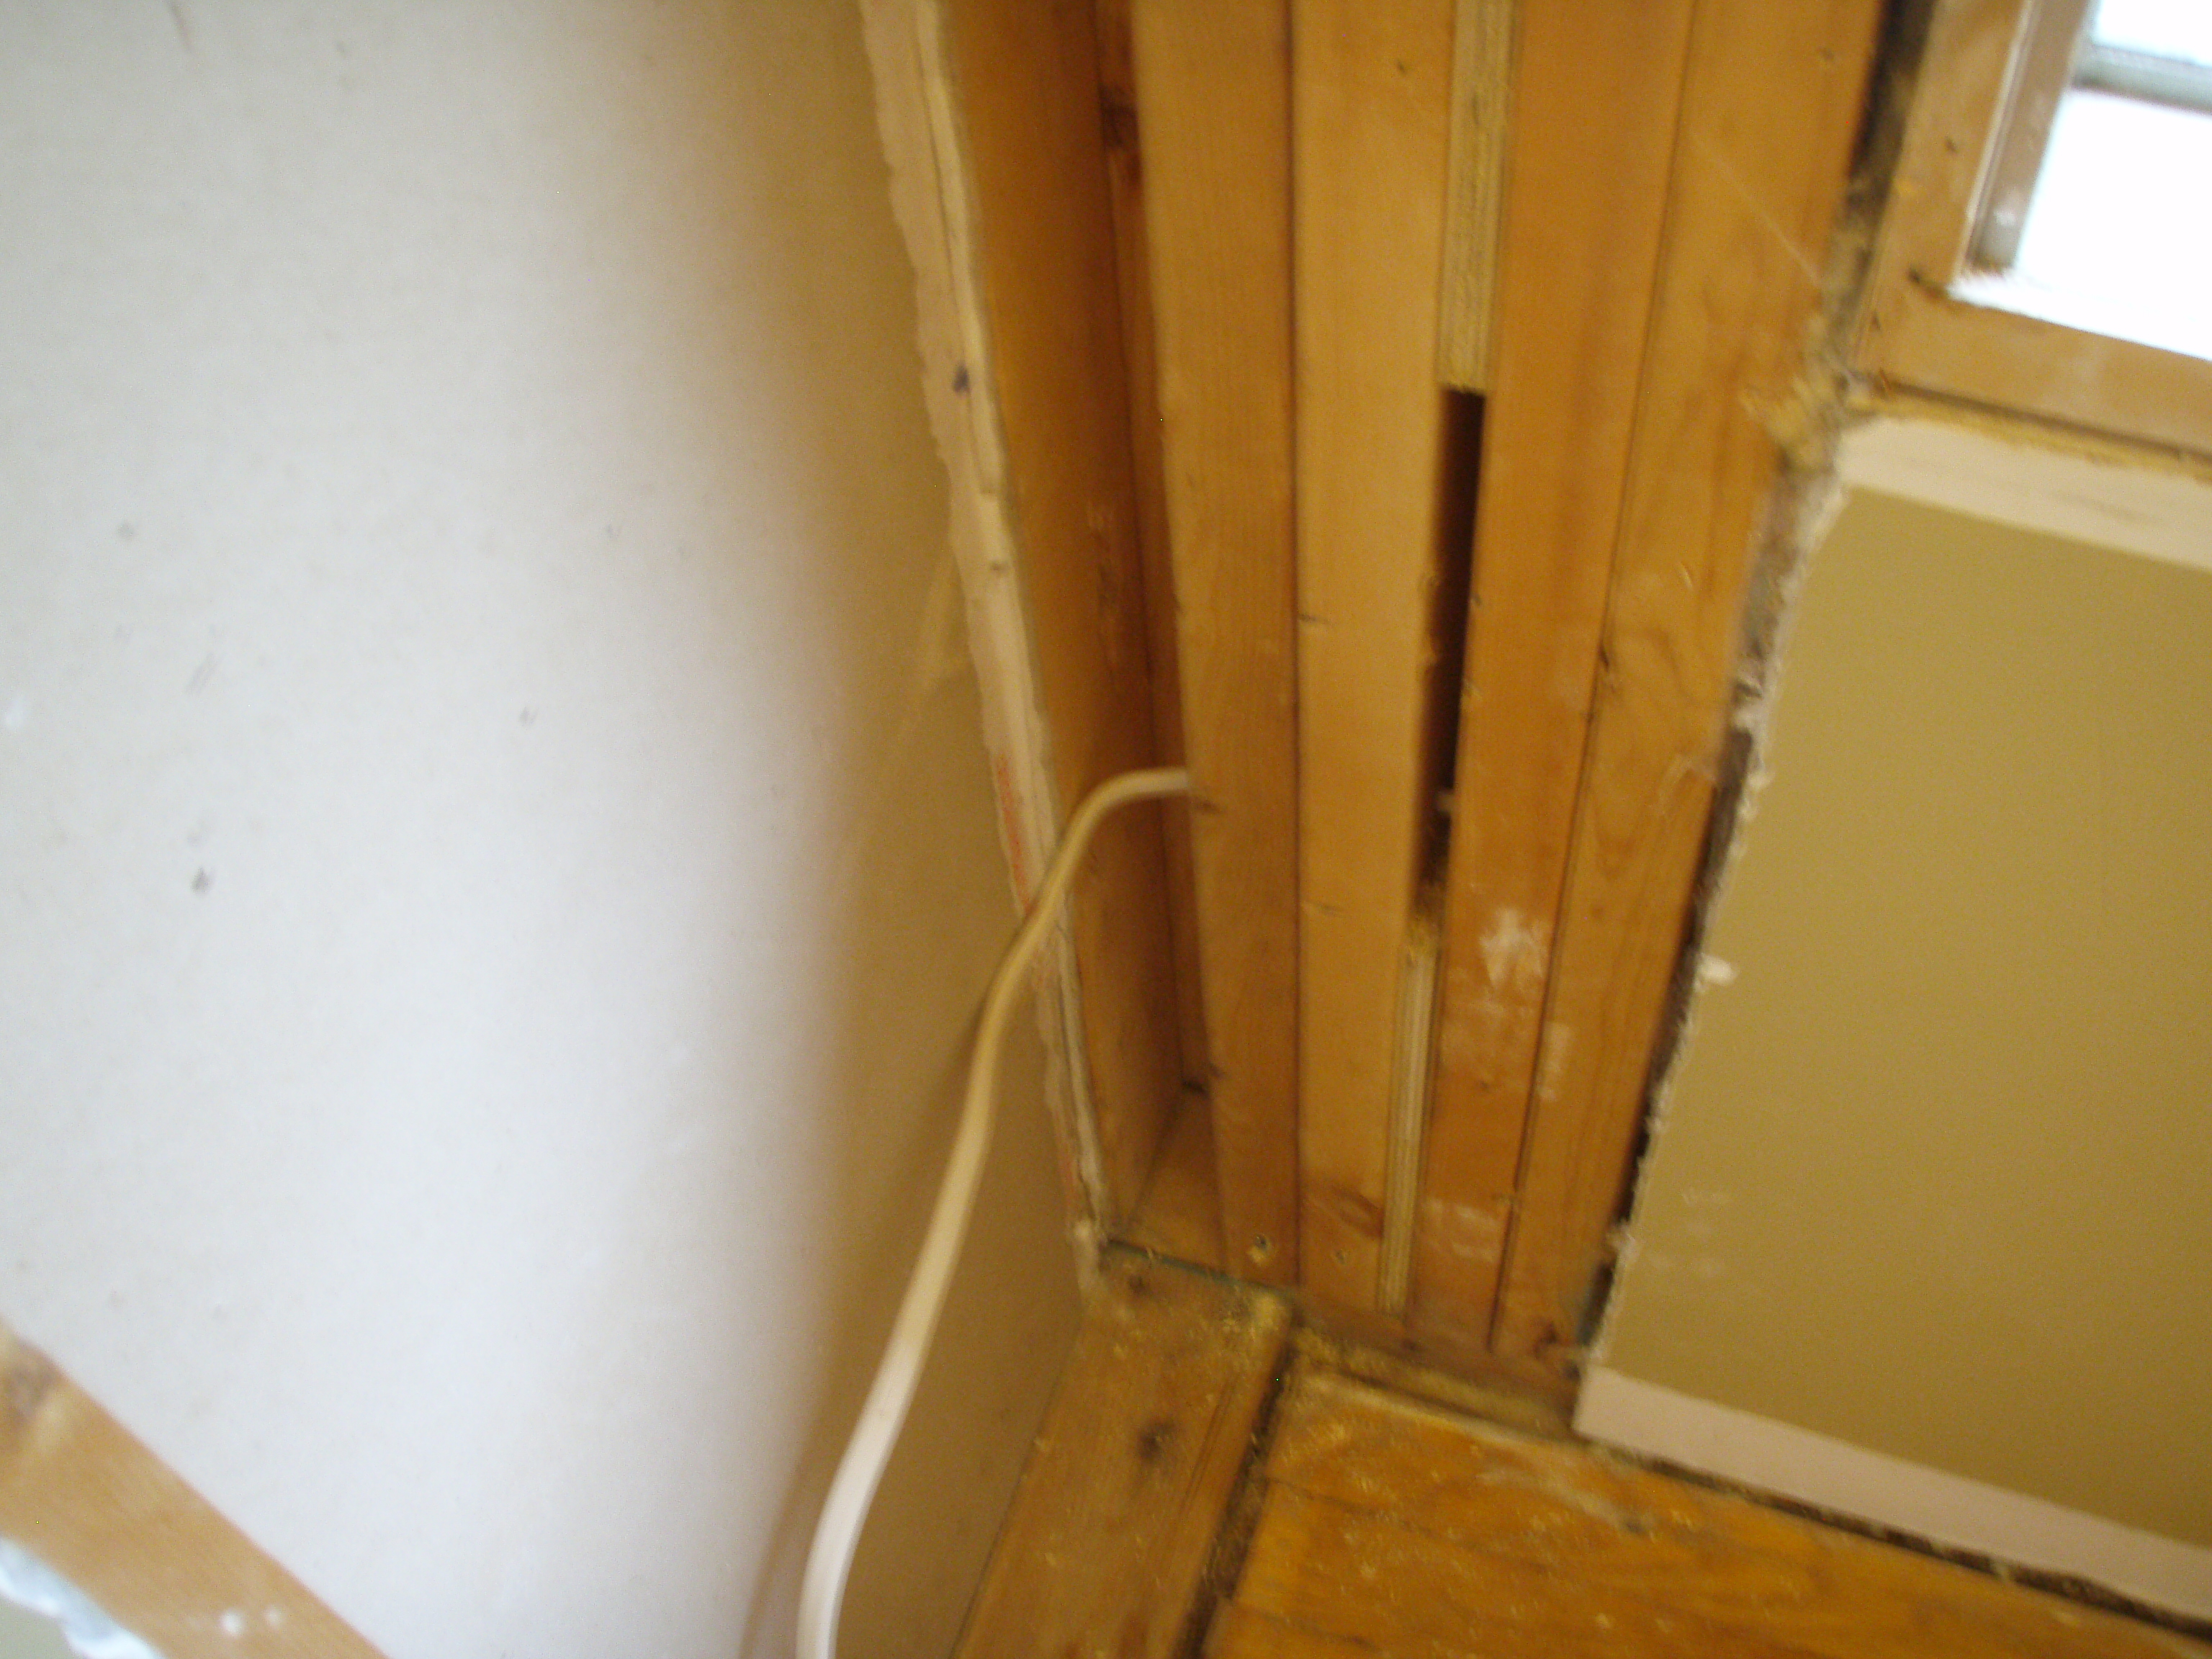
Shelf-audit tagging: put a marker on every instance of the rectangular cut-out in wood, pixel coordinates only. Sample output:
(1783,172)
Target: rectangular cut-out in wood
(1111,1537)
(90,1501)
(1370,102)
(1596,91)
(1212,85)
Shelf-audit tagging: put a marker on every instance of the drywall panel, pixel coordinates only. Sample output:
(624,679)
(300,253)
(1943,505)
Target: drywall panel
(1931,1176)
(499,860)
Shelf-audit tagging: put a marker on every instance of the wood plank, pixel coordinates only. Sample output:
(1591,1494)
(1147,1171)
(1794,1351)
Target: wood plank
(1027,79)
(1596,89)
(1125,178)
(1108,1544)
(1370,110)
(1727,1561)
(1482,84)
(1241,1633)
(1771,109)
(1180,1215)
(87,1497)
(1213,108)
(1352,1571)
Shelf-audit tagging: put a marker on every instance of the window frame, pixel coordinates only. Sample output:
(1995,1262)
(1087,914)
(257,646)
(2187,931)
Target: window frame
(1917,332)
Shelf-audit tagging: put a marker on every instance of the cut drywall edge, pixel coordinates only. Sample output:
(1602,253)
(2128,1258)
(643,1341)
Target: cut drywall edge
(2158,512)
(33,1585)
(1948,1510)
(931,199)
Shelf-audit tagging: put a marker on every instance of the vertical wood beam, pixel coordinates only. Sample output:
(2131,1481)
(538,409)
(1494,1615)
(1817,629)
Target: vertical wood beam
(1370,102)
(1772,107)
(1213,108)
(1026,78)
(1596,88)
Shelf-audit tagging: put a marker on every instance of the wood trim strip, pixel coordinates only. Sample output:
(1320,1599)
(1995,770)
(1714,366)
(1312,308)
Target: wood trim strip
(1370,112)
(1213,108)
(1772,107)
(1596,90)
(85,1496)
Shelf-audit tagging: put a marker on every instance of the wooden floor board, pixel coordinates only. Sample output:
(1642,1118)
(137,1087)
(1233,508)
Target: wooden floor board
(1107,1548)
(1174,1493)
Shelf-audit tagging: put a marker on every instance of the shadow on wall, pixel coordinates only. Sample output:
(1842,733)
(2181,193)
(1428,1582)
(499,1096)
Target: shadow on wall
(504,859)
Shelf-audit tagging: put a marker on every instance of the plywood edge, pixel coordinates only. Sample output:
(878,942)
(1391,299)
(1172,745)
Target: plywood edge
(1771,1457)
(2157,507)
(90,1501)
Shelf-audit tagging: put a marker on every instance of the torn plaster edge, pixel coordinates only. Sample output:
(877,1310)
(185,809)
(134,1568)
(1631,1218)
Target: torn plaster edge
(1808,426)
(2154,509)
(932,199)
(33,1585)
(1949,1511)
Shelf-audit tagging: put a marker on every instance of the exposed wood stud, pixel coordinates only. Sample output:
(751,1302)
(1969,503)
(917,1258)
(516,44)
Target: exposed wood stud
(1596,88)
(1771,108)
(1370,102)
(1032,142)
(1214,108)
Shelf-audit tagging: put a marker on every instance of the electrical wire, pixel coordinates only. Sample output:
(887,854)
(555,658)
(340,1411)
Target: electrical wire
(822,1592)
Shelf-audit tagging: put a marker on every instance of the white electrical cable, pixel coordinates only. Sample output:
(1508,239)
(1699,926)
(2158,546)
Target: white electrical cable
(823,1591)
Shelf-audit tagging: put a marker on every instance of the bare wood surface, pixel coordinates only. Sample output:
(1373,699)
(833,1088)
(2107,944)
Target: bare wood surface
(1415,1532)
(1111,1535)
(1125,178)
(1370,102)
(1596,91)
(88,1498)
(1241,1633)
(1026,78)
(1180,1214)
(1482,72)
(1771,108)
(1212,85)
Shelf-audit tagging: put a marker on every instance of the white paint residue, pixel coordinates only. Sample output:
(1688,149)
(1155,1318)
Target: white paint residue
(233,1622)
(1714,970)
(1514,951)
(30,1583)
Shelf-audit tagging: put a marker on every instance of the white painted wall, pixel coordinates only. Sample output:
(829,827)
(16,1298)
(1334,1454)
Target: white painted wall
(496,850)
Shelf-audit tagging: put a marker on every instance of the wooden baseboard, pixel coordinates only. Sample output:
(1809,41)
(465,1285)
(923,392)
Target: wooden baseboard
(1948,1510)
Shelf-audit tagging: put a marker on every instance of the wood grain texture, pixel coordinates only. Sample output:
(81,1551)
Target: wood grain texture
(1111,1535)
(1482,81)
(1026,79)
(1241,1633)
(1214,108)
(1179,1217)
(1596,90)
(88,1498)
(1771,109)
(1418,1532)
(1125,178)
(1370,102)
